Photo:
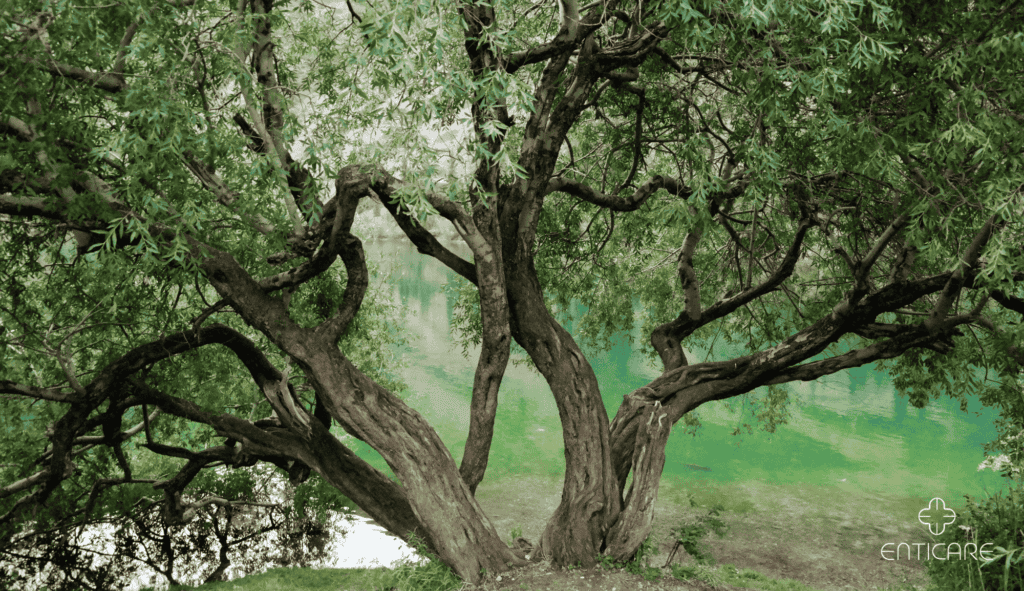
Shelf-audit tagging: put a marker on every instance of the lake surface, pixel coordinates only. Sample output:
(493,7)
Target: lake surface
(849,429)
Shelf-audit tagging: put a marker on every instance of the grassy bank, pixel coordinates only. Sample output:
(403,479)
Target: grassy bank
(721,578)
(779,537)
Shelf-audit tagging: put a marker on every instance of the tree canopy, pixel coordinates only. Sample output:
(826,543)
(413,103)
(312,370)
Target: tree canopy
(820,185)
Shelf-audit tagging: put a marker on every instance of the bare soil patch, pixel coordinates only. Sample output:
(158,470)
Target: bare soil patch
(826,537)
(544,577)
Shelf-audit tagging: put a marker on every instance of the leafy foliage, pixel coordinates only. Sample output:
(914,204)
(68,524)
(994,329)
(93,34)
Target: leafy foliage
(784,191)
(691,536)
(997,520)
(426,573)
(253,528)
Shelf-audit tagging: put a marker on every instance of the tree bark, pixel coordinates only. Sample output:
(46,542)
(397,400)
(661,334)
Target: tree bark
(590,501)
(222,553)
(634,522)
(455,525)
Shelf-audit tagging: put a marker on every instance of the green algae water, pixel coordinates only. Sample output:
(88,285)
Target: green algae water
(848,430)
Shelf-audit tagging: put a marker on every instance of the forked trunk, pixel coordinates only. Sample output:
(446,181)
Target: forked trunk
(590,498)
(650,428)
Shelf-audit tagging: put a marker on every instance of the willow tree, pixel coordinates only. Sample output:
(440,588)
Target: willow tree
(822,184)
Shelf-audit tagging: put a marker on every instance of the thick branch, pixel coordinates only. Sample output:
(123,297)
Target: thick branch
(52,394)
(480,232)
(18,128)
(370,489)
(903,264)
(631,52)
(110,82)
(103,483)
(571,32)
(686,387)
(648,460)
(668,337)
(639,197)
(211,181)
(494,317)
(956,280)
(145,355)
(386,186)
(256,442)
(876,251)
(122,52)
(637,137)
(906,338)
(672,63)
(1010,302)
(267,377)
(269,126)
(24,483)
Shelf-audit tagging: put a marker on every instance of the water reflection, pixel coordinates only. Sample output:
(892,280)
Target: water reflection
(367,545)
(849,427)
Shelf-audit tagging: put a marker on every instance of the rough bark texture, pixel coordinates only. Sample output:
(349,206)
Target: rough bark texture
(590,500)
(440,500)
(634,523)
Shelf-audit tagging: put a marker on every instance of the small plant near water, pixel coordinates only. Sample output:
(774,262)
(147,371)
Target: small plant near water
(640,563)
(606,562)
(432,575)
(997,520)
(517,532)
(698,572)
(1008,554)
(691,535)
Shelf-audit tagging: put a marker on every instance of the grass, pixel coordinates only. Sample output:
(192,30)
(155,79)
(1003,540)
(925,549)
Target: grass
(434,577)
(289,579)
(778,537)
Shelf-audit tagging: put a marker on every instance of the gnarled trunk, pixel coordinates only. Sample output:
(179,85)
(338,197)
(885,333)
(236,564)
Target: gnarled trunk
(590,497)
(432,498)
(439,502)
(646,435)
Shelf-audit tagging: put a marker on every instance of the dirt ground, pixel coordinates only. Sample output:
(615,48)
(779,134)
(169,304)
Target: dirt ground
(544,578)
(828,538)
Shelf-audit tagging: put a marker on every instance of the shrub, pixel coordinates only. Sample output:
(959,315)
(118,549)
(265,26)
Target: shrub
(423,574)
(640,564)
(998,519)
(691,535)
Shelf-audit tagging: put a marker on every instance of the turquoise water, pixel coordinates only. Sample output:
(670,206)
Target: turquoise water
(848,429)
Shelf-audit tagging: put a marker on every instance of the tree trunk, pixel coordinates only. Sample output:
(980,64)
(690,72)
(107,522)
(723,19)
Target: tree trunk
(590,501)
(222,539)
(648,460)
(168,550)
(218,573)
(439,502)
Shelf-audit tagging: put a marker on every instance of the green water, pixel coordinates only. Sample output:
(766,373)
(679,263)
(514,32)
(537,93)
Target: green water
(849,430)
